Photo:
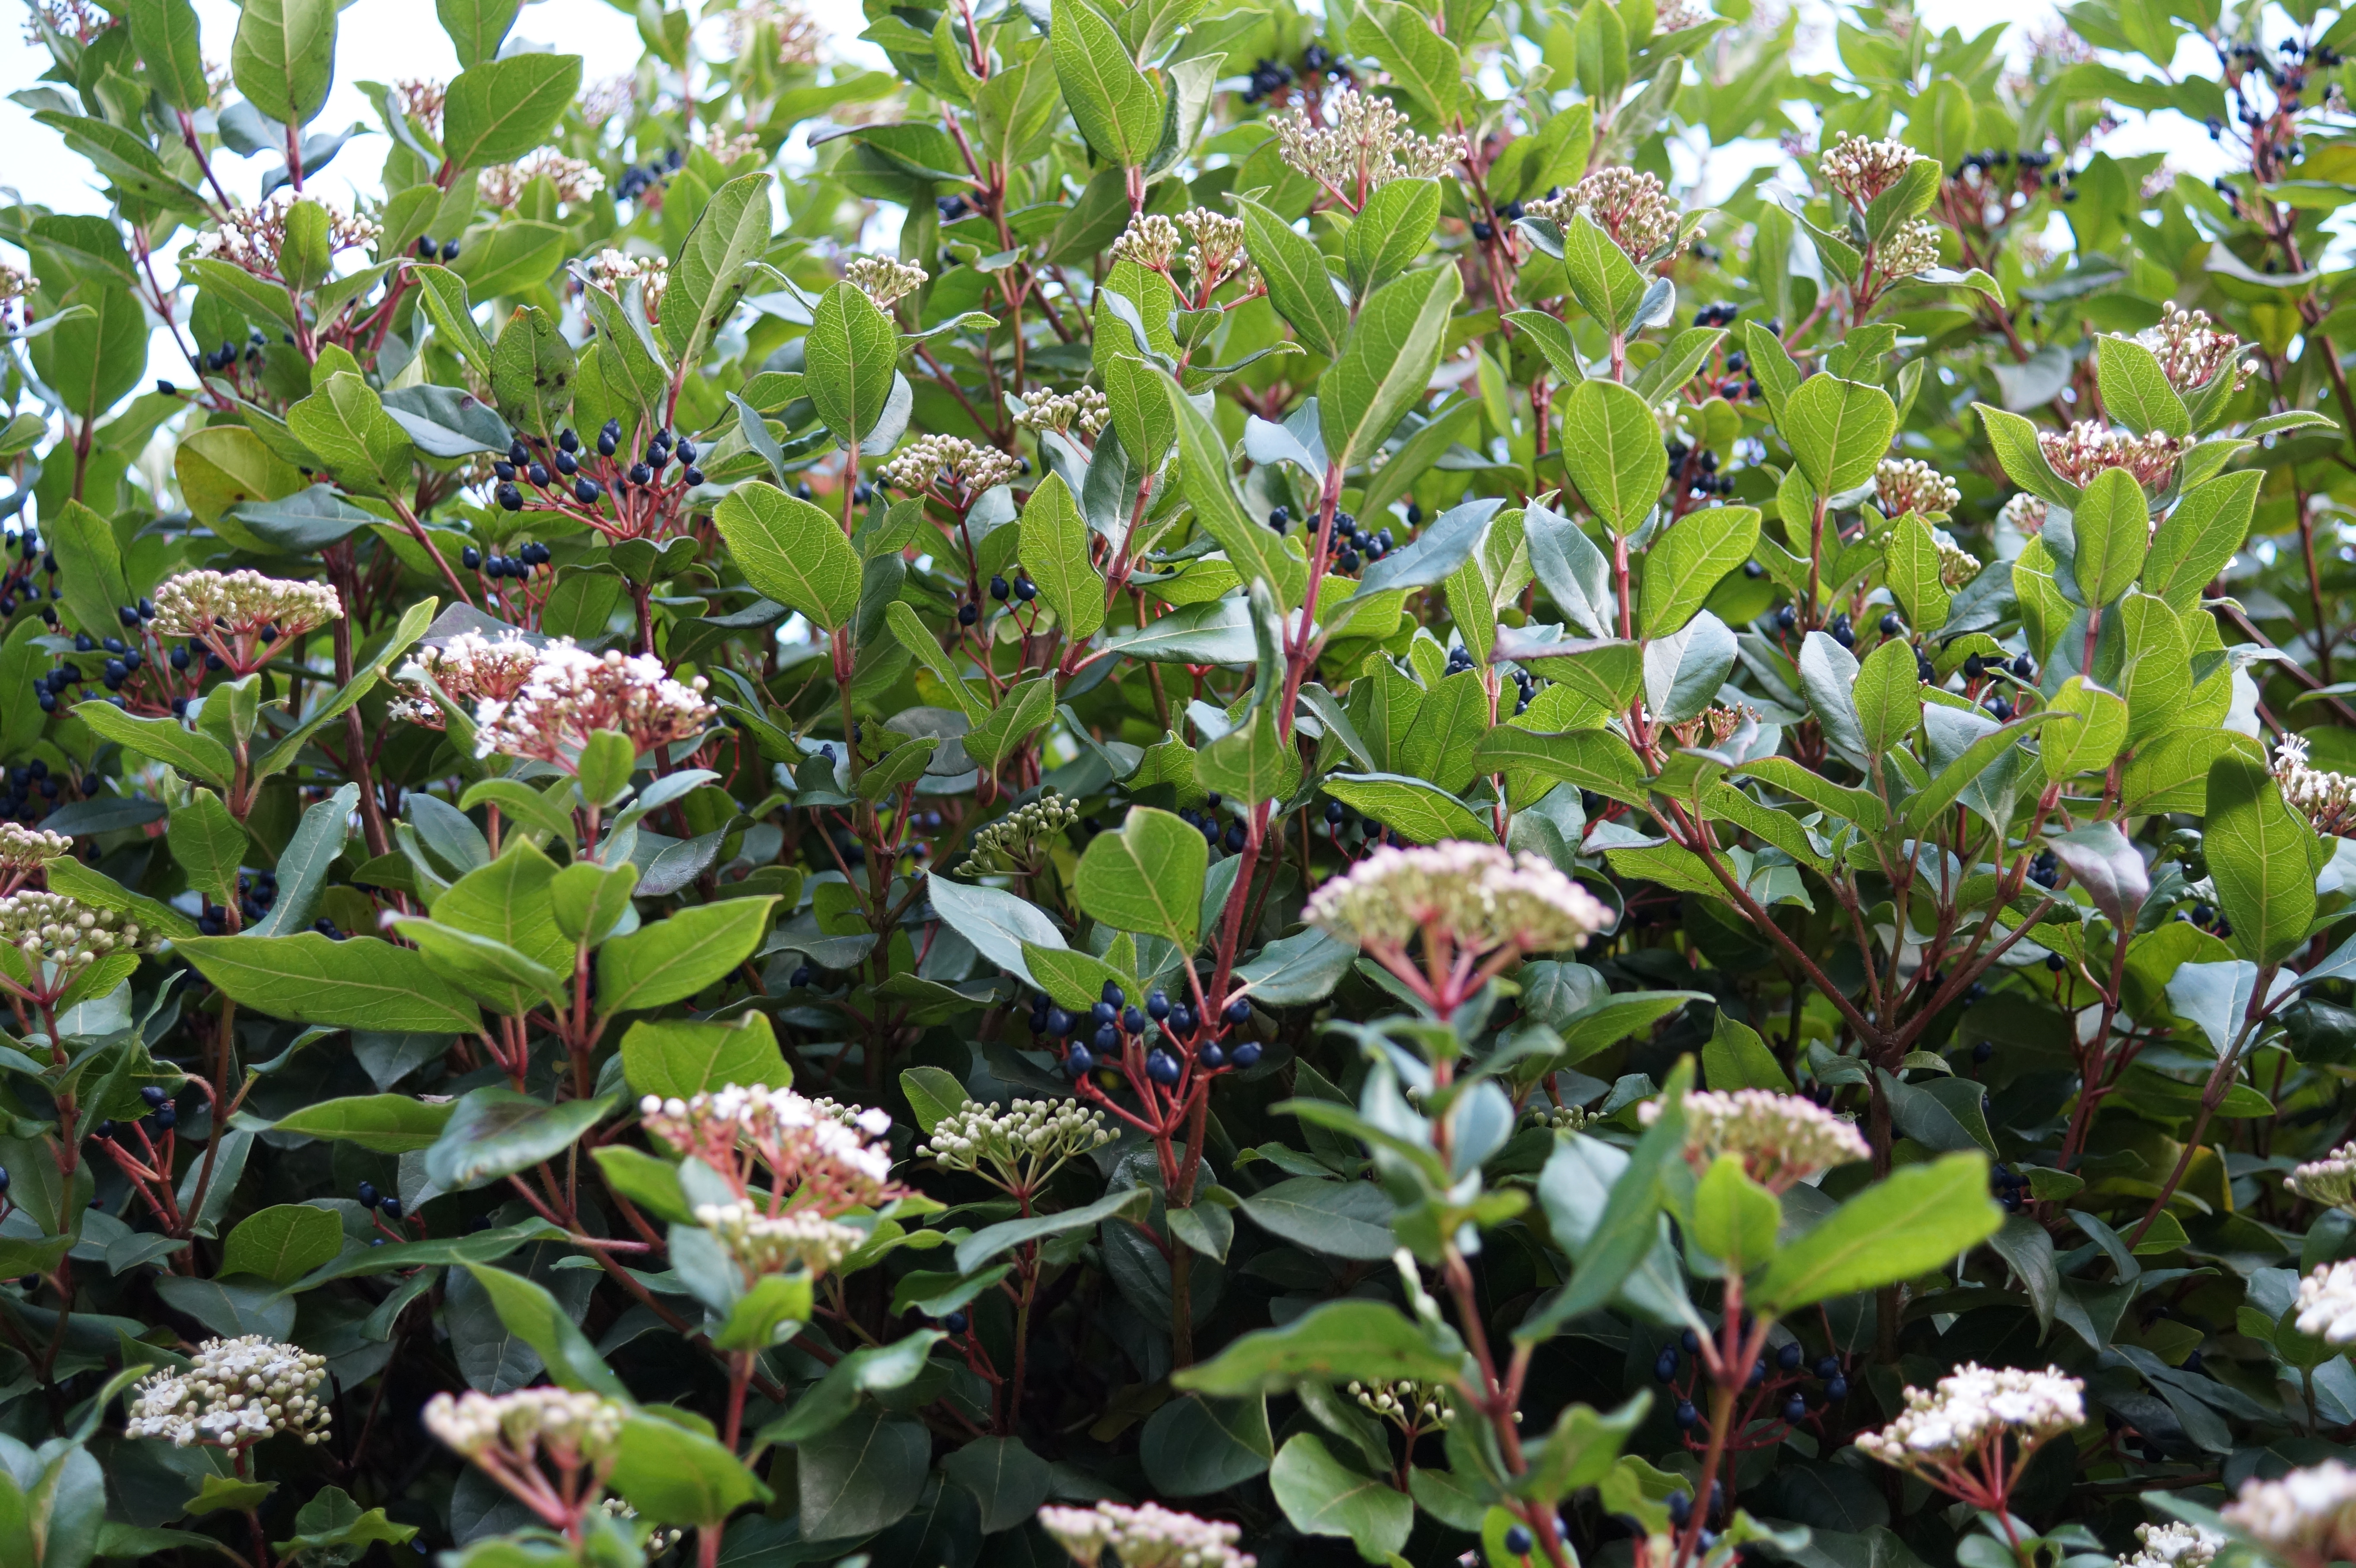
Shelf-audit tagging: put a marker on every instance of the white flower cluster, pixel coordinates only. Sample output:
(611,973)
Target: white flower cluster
(1957,565)
(2326,1303)
(614,271)
(602,99)
(15,285)
(2328,799)
(1634,209)
(241,604)
(1477,895)
(29,848)
(1082,406)
(2333,1179)
(1150,240)
(1013,842)
(571,1428)
(574,693)
(502,185)
(1146,1536)
(796,34)
(884,280)
(1678,15)
(1861,168)
(1022,1145)
(1217,251)
(422,98)
(1362,143)
(806,1143)
(2085,449)
(1974,1407)
(235,1393)
(1905,485)
(2026,514)
(1781,1139)
(2308,1518)
(2192,349)
(1913,248)
(728,147)
(948,465)
(58,938)
(1410,1403)
(252,238)
(469,668)
(2174,1545)
(772,1243)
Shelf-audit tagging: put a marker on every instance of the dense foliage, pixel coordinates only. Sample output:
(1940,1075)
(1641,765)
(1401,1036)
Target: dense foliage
(1320,830)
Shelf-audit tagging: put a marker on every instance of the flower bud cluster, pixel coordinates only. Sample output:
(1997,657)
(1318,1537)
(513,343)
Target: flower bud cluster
(1678,15)
(1957,565)
(1146,1536)
(1016,841)
(1781,1139)
(1634,209)
(1972,1408)
(16,285)
(29,848)
(569,1428)
(235,1393)
(1022,1144)
(1217,251)
(1082,406)
(502,185)
(614,271)
(2174,1545)
(2326,1303)
(659,1540)
(1861,168)
(58,938)
(1913,248)
(2308,1518)
(2025,514)
(1559,1118)
(2085,449)
(254,239)
(884,280)
(948,465)
(795,33)
(772,1243)
(2192,350)
(809,1145)
(1905,485)
(233,611)
(1150,240)
(726,147)
(2329,801)
(573,693)
(1362,144)
(1478,896)
(469,668)
(1410,1403)
(420,99)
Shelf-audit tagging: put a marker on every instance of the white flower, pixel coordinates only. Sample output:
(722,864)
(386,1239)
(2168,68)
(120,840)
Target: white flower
(2174,1545)
(1082,406)
(469,668)
(54,938)
(1150,240)
(1146,1536)
(2192,349)
(2332,1180)
(252,239)
(1217,252)
(235,1393)
(2326,1303)
(2329,801)
(2308,1518)
(1022,1146)
(502,185)
(1479,896)
(240,614)
(814,1147)
(571,1427)
(1861,168)
(1412,1405)
(884,280)
(2026,514)
(772,1243)
(1781,1139)
(795,34)
(1940,1435)
(1634,209)
(1361,143)
(2085,449)
(1905,485)
(948,465)
(574,693)
(614,271)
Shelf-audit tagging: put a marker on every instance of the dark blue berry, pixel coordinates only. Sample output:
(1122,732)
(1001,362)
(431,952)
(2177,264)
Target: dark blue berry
(390,1208)
(1077,1061)
(1518,1540)
(1246,1056)
(369,1196)
(1161,1067)
(1157,1005)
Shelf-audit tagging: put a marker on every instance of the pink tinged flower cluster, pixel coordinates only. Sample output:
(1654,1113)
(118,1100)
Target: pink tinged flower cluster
(1955,1437)
(1781,1139)
(2308,1518)
(1477,896)
(2086,449)
(469,669)
(573,693)
(824,1156)
(241,614)
(1146,1536)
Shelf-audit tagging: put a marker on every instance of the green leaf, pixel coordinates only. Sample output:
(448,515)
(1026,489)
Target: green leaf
(2262,857)
(1421,810)
(1590,759)
(1582,1448)
(864,1475)
(1837,430)
(1889,696)
(1606,285)
(1112,101)
(284,56)
(851,353)
(1146,878)
(1734,1219)
(1254,552)
(2110,524)
(1386,362)
(870,1369)
(283,1243)
(1130,1203)
(673,1474)
(1684,564)
(793,552)
(192,752)
(165,32)
(1008,1479)
(498,110)
(476,28)
(209,845)
(332,1527)
(1910,563)
(528,1312)
(2013,440)
(1417,59)
(1193,1446)
(360,983)
(345,424)
(672,959)
(1612,450)
(495,1132)
(383,1124)
(2198,536)
(1340,1219)
(90,565)
(708,272)
(2135,389)
(1334,1342)
(677,1058)
(1321,1496)
(1736,1058)
(1054,552)
(934,1095)
(1299,287)
(1913,1221)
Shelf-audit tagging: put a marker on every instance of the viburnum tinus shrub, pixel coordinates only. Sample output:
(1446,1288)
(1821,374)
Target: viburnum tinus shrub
(1182,787)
